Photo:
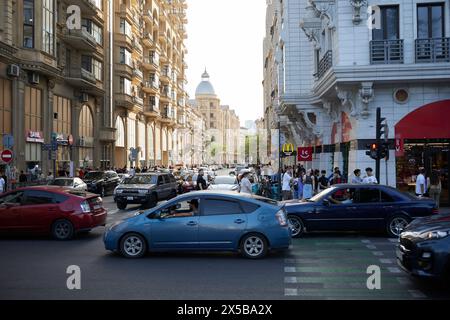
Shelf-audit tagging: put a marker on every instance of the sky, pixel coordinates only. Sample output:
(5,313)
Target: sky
(226,37)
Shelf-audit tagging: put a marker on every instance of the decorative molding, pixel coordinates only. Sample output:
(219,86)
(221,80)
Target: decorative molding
(366,93)
(331,112)
(346,99)
(357,5)
(323,9)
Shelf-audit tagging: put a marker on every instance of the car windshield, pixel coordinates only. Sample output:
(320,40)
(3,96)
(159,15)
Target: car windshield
(324,194)
(147,179)
(93,175)
(62,182)
(224,180)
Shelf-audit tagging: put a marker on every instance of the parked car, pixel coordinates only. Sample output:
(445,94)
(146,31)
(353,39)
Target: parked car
(102,182)
(58,211)
(72,183)
(424,248)
(347,207)
(224,183)
(204,221)
(123,176)
(146,189)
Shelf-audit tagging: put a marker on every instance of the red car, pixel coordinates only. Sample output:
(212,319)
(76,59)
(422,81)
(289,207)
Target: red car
(50,209)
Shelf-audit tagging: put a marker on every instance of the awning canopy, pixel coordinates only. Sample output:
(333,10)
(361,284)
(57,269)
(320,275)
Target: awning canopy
(431,121)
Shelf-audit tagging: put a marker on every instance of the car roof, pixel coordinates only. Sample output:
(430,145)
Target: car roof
(152,174)
(58,189)
(64,178)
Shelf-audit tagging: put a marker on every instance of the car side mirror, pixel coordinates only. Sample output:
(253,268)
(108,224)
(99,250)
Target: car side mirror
(326,202)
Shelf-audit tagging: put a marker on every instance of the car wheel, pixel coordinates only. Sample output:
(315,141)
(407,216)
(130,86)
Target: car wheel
(133,246)
(297,226)
(254,246)
(62,230)
(396,225)
(121,205)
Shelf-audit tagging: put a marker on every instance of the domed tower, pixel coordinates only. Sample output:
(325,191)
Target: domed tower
(205,88)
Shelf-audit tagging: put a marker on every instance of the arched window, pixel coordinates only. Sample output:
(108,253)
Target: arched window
(86,124)
(120,127)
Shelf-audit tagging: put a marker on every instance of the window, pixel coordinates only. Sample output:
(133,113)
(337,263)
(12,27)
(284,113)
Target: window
(33,109)
(120,142)
(86,128)
(125,27)
(59,198)
(93,29)
(28,23)
(343,196)
(48,35)
(125,57)
(217,207)
(63,121)
(430,21)
(249,207)
(369,195)
(125,86)
(183,209)
(86,63)
(97,68)
(385,197)
(12,198)
(36,197)
(389,24)
(98,4)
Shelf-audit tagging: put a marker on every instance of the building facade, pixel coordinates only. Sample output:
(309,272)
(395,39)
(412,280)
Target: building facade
(221,124)
(105,80)
(400,64)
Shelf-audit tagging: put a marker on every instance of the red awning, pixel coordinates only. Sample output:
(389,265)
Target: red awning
(431,121)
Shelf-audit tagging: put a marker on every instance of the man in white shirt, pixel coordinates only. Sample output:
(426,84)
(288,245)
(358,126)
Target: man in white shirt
(421,183)
(286,186)
(246,185)
(370,179)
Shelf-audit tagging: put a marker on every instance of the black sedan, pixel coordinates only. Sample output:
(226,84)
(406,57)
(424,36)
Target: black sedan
(424,248)
(101,182)
(349,207)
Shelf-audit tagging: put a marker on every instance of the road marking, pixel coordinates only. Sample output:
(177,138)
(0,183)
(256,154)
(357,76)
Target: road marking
(393,240)
(290,292)
(290,260)
(113,211)
(372,247)
(378,253)
(366,241)
(290,269)
(417,294)
(386,261)
(394,270)
(403,281)
(290,279)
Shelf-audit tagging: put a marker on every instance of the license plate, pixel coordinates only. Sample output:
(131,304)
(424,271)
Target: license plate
(130,198)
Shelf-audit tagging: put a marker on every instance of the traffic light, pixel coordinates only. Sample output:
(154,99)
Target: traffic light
(384,150)
(373,151)
(382,128)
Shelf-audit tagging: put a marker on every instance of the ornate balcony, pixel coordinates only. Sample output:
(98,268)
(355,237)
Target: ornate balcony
(386,51)
(432,50)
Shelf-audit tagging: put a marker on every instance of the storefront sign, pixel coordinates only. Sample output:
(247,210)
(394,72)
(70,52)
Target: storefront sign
(399,146)
(305,154)
(35,136)
(287,149)
(62,139)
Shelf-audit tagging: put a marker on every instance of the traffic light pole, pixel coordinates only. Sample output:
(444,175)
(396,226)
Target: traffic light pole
(378,135)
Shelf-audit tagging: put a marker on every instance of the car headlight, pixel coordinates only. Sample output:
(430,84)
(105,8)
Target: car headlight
(432,235)
(118,191)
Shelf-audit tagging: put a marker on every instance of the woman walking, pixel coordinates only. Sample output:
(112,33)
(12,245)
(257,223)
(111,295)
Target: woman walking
(308,185)
(435,187)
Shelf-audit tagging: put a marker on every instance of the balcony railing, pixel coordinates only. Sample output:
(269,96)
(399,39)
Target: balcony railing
(386,51)
(324,64)
(433,50)
(139,101)
(152,83)
(151,108)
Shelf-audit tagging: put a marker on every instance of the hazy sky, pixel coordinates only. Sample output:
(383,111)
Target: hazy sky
(225,36)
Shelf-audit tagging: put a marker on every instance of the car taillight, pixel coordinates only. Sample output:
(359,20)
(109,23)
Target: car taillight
(281,217)
(85,207)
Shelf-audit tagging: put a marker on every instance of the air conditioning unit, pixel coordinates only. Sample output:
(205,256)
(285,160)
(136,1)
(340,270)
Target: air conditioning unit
(34,78)
(13,70)
(84,97)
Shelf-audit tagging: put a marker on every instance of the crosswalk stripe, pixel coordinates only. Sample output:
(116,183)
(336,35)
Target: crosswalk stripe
(290,292)
(290,269)
(290,279)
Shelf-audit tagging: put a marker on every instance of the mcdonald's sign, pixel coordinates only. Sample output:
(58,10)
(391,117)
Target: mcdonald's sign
(288,149)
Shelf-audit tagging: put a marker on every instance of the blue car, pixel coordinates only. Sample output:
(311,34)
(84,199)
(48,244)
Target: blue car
(204,221)
(348,207)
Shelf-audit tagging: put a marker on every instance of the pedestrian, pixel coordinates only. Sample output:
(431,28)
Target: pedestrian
(132,171)
(435,187)
(369,178)
(336,169)
(323,181)
(245,186)
(286,186)
(357,177)
(201,182)
(81,173)
(22,177)
(2,183)
(50,176)
(308,186)
(336,179)
(421,183)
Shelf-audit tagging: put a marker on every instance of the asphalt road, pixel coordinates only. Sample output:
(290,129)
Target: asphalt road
(319,266)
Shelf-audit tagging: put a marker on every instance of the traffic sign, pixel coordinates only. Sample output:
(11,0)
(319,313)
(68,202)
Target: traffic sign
(8,141)
(6,156)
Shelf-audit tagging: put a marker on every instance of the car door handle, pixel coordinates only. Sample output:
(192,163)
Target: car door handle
(192,223)
(239,221)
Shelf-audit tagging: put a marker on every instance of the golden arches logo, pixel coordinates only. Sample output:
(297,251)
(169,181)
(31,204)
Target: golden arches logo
(288,148)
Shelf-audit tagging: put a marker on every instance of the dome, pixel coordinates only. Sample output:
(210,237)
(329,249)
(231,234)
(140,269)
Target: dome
(205,87)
